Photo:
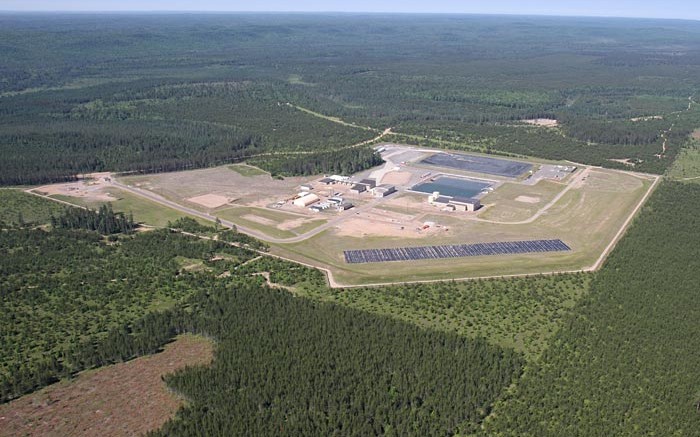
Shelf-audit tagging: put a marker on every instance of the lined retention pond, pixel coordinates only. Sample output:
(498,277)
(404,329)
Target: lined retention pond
(452,187)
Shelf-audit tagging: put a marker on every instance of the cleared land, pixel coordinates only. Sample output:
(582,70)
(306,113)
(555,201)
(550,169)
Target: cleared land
(543,122)
(102,402)
(514,202)
(588,210)
(587,217)
(247,170)
(247,190)
(144,210)
(273,223)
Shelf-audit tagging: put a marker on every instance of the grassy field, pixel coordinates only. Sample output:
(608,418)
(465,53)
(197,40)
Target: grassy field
(33,209)
(587,218)
(518,313)
(144,211)
(687,165)
(267,220)
(103,401)
(247,170)
(506,204)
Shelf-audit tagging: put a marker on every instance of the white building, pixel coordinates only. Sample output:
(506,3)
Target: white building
(383,190)
(306,200)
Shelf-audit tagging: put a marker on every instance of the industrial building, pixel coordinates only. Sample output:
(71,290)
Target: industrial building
(327,181)
(306,187)
(464,204)
(345,180)
(383,190)
(358,188)
(454,203)
(370,183)
(308,199)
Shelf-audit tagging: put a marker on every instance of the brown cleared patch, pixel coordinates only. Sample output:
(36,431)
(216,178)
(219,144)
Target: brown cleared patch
(210,200)
(123,399)
(397,178)
(543,122)
(696,134)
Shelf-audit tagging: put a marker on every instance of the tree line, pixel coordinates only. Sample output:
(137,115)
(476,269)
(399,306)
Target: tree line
(104,220)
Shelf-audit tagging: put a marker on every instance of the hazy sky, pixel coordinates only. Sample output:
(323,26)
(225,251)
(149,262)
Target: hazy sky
(688,9)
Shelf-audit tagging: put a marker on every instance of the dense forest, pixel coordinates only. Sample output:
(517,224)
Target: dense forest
(624,362)
(287,366)
(105,221)
(161,93)
(64,290)
(603,350)
(586,354)
(72,300)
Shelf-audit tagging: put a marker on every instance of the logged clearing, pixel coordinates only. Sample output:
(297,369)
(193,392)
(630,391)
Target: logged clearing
(91,189)
(123,399)
(544,122)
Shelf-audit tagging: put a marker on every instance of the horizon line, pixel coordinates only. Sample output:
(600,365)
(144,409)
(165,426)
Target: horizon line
(328,12)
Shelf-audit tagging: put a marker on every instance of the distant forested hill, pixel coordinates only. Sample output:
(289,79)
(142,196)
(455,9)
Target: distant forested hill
(164,92)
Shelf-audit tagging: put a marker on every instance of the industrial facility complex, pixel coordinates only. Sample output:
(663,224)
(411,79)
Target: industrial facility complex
(472,209)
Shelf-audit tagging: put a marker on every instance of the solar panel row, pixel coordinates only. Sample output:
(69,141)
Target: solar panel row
(456,251)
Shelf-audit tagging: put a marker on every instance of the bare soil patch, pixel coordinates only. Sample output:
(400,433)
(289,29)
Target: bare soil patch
(397,178)
(696,134)
(651,117)
(625,161)
(90,190)
(122,399)
(544,122)
(359,228)
(210,200)
(527,199)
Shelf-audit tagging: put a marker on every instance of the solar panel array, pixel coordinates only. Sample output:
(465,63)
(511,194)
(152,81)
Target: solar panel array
(456,251)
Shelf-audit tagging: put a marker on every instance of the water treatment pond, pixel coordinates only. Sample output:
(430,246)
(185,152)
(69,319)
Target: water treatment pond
(479,164)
